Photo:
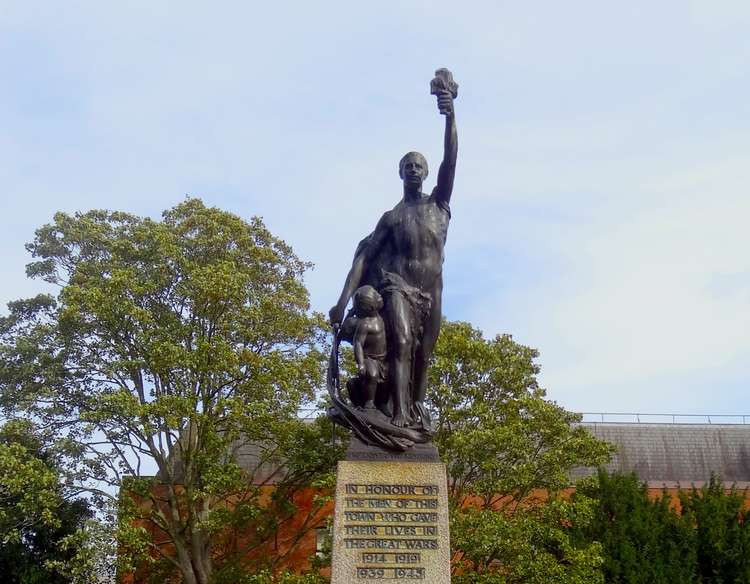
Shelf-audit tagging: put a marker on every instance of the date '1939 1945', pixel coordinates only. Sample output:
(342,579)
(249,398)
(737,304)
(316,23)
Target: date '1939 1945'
(391,573)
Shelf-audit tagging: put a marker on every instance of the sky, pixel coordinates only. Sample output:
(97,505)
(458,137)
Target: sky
(601,204)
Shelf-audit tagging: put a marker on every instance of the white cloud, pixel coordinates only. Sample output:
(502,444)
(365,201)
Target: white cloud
(656,289)
(600,203)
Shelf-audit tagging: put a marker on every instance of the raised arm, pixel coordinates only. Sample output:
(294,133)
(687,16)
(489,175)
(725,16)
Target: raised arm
(446,90)
(444,188)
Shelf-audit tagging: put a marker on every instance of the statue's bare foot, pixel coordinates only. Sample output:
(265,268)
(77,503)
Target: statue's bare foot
(399,420)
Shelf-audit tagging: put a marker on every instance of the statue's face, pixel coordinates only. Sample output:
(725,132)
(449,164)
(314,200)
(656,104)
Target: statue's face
(367,302)
(413,171)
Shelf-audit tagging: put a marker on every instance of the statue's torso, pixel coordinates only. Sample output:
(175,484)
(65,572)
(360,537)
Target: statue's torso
(415,243)
(374,344)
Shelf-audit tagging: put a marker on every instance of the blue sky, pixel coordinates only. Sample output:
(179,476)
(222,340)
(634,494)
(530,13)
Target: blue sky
(601,204)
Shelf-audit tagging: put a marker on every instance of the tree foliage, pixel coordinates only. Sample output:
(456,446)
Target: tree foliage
(509,452)
(39,516)
(645,541)
(703,538)
(721,526)
(171,346)
(29,486)
(168,347)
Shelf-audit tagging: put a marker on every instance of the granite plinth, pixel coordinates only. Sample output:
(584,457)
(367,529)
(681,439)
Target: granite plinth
(391,523)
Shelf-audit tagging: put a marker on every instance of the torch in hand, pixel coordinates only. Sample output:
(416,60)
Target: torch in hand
(445,89)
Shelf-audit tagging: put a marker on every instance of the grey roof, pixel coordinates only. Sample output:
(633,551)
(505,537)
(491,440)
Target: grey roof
(253,459)
(675,455)
(663,455)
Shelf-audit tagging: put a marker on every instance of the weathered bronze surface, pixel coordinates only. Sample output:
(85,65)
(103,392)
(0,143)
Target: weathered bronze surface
(396,283)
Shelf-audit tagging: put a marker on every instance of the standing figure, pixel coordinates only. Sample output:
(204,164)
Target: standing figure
(367,331)
(403,259)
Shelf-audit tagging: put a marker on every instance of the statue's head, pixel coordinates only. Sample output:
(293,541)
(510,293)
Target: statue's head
(367,301)
(412,168)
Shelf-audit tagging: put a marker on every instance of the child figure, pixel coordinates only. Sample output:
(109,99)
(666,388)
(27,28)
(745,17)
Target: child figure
(369,342)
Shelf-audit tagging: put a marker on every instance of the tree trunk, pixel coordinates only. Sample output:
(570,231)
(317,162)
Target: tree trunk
(201,556)
(186,566)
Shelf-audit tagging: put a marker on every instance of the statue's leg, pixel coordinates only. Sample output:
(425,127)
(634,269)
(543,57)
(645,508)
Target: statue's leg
(356,391)
(397,312)
(370,384)
(424,351)
(383,399)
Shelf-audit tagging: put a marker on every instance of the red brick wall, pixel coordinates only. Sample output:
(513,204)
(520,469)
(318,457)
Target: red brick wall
(297,551)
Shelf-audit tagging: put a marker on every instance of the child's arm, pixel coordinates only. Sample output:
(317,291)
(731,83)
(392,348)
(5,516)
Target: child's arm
(360,336)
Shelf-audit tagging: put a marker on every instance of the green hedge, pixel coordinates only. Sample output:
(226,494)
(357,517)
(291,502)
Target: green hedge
(705,539)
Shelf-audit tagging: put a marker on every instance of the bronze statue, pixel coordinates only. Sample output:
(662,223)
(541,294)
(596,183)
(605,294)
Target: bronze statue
(402,262)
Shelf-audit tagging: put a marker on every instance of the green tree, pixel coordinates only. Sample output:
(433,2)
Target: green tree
(722,533)
(509,452)
(168,346)
(645,540)
(38,514)
(704,539)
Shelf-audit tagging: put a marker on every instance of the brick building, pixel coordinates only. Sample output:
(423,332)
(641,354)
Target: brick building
(667,456)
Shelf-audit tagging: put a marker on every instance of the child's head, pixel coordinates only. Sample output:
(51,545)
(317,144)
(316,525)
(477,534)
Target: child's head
(367,301)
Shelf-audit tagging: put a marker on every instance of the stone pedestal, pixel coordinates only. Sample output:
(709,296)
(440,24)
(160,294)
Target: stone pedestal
(391,522)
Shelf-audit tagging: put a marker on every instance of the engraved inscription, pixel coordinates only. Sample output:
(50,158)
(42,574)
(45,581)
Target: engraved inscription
(387,522)
(391,558)
(392,503)
(391,573)
(390,529)
(395,517)
(395,544)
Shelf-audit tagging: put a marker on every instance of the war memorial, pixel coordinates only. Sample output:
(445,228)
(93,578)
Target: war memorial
(391,509)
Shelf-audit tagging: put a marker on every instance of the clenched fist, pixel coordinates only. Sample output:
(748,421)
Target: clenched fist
(445,102)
